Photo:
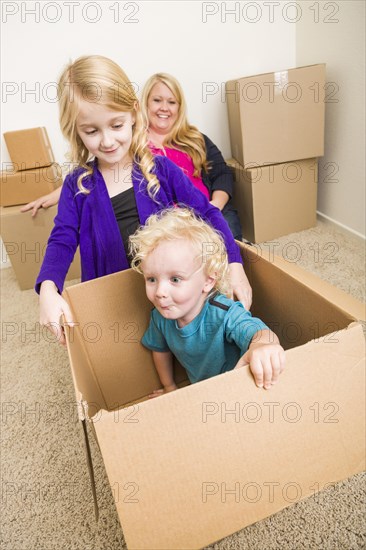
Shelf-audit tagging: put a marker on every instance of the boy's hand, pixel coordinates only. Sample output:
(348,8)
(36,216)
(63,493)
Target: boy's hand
(266,362)
(167,389)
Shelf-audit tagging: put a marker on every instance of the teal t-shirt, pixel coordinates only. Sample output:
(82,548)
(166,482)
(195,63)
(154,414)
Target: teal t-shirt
(210,344)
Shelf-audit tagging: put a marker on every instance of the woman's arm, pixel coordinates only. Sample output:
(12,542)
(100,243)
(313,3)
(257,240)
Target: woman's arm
(219,199)
(219,176)
(43,202)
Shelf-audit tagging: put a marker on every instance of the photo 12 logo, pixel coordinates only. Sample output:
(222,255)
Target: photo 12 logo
(71,12)
(269,12)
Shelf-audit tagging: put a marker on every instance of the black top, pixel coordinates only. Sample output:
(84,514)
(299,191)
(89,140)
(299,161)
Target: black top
(125,210)
(219,175)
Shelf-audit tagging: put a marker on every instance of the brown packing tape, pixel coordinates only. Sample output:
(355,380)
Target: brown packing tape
(48,148)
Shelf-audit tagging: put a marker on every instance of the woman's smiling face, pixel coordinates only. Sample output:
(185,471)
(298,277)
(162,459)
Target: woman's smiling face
(162,109)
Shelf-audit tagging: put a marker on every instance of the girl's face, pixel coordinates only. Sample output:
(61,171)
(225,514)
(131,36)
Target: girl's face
(162,109)
(105,133)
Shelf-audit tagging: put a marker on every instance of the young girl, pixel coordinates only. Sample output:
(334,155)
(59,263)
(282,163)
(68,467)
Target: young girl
(184,263)
(115,188)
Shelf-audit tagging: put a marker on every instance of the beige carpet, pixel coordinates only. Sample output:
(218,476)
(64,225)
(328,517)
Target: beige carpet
(46,497)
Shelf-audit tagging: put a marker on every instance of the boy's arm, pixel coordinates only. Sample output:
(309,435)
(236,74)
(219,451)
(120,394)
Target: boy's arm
(266,358)
(163,361)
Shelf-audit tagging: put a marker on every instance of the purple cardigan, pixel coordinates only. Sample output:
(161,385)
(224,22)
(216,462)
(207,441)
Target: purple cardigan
(88,220)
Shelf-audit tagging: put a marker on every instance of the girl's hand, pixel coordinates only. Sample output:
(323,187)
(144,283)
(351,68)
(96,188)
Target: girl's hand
(52,306)
(240,285)
(43,202)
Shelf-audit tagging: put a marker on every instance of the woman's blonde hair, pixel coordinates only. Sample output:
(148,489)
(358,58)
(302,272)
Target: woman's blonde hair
(99,80)
(182,224)
(183,135)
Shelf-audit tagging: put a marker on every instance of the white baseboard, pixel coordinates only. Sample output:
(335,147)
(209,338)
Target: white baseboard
(322,217)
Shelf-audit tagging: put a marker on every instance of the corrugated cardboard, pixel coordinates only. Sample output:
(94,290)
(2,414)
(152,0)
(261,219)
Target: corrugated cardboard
(25,240)
(29,148)
(200,463)
(275,200)
(277,117)
(27,185)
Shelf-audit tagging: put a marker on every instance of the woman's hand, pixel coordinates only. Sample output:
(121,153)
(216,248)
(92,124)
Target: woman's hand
(52,306)
(240,284)
(43,202)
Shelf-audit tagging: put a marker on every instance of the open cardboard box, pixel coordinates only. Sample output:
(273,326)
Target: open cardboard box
(200,463)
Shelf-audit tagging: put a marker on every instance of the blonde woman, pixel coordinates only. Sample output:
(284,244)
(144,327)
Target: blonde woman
(118,184)
(165,114)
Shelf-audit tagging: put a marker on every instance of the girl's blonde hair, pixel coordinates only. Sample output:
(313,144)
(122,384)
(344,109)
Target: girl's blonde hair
(99,80)
(182,224)
(183,135)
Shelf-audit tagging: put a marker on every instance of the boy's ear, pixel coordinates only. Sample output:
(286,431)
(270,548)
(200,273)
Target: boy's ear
(209,283)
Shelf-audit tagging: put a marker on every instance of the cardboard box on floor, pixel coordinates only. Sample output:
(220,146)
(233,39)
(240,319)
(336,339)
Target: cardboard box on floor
(29,148)
(200,463)
(277,117)
(25,239)
(275,200)
(28,185)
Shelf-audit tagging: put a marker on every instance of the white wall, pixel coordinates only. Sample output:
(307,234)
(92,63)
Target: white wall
(334,33)
(198,42)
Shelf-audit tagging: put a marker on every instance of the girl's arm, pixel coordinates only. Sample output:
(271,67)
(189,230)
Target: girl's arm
(164,365)
(43,202)
(64,238)
(60,252)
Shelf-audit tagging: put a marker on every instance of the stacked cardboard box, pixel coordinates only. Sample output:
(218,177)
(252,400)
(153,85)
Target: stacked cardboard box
(25,240)
(276,125)
(31,174)
(32,171)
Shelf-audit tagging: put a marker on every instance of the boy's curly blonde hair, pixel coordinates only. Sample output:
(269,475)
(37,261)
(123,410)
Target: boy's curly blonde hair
(182,224)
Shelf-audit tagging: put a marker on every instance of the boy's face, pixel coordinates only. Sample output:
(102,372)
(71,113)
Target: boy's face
(175,280)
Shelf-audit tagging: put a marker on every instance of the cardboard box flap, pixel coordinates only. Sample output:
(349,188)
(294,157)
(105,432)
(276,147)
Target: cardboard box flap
(255,452)
(115,319)
(297,305)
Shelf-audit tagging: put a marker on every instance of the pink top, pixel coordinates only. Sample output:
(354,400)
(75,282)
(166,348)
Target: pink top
(184,161)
